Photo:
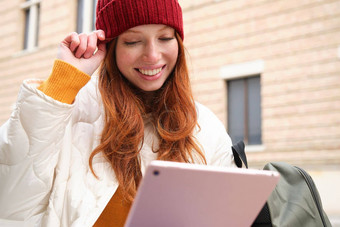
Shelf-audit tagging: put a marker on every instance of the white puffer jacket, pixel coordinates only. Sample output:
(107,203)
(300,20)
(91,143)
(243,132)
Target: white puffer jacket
(45,178)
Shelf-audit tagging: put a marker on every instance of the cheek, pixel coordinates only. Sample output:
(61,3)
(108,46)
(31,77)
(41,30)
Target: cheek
(173,55)
(124,61)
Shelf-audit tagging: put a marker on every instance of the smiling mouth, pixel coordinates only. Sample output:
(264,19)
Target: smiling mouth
(150,72)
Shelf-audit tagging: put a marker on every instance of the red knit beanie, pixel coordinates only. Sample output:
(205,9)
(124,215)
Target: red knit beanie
(116,16)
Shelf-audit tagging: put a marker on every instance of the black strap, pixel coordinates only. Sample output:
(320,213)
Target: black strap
(239,154)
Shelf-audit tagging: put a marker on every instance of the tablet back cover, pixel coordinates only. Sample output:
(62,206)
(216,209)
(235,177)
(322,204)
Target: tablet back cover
(184,195)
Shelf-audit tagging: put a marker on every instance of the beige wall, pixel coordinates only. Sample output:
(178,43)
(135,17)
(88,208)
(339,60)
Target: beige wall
(298,42)
(57,19)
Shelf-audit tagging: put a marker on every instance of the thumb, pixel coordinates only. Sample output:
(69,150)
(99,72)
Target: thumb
(101,52)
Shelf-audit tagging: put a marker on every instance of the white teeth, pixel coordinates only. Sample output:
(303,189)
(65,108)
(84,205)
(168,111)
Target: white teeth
(151,72)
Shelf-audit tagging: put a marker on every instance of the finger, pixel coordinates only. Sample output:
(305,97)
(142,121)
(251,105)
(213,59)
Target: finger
(75,41)
(100,34)
(82,46)
(101,45)
(71,41)
(91,45)
(69,37)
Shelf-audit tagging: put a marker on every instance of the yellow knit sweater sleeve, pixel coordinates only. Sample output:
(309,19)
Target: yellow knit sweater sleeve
(64,82)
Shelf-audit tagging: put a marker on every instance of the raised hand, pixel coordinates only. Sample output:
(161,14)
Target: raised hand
(83,51)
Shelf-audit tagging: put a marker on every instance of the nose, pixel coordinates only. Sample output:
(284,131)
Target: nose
(152,53)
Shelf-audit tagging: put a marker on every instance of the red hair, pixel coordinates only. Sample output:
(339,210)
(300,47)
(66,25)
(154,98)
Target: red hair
(173,114)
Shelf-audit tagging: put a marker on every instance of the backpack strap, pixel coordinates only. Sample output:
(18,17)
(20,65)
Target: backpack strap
(239,154)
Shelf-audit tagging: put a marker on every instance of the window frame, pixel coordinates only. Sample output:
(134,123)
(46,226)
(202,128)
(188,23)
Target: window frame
(86,16)
(31,27)
(241,71)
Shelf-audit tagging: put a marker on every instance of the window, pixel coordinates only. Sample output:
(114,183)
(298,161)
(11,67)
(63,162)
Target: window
(243,84)
(86,16)
(244,110)
(32,11)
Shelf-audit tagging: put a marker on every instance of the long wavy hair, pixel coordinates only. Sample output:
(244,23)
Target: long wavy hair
(173,115)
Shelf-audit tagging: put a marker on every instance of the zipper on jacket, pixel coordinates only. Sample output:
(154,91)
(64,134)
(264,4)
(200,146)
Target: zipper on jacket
(314,193)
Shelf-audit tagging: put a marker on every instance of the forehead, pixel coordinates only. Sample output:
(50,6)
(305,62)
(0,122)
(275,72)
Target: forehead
(149,28)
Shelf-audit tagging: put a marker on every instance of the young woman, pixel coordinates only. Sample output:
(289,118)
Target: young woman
(75,147)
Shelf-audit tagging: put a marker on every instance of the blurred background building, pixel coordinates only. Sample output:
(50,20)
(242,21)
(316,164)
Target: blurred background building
(269,69)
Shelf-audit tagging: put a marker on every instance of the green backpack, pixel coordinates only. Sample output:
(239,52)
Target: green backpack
(295,202)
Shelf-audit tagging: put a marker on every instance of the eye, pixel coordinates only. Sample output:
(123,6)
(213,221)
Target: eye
(166,38)
(131,43)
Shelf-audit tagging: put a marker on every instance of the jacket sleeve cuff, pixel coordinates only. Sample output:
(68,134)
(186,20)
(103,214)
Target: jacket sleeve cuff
(64,82)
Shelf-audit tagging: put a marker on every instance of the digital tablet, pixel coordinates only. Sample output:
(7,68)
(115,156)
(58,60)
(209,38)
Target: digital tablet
(175,194)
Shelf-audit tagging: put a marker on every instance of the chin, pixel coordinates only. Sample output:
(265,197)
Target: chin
(151,88)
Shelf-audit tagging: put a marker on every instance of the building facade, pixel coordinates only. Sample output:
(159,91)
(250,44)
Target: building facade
(269,69)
